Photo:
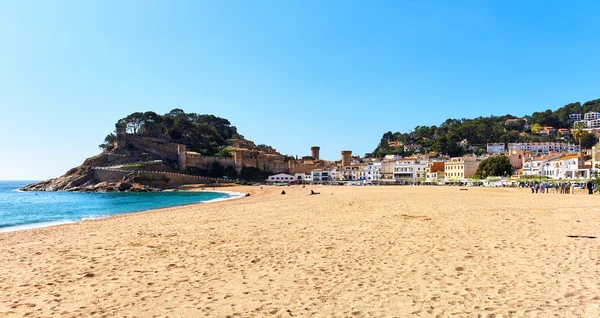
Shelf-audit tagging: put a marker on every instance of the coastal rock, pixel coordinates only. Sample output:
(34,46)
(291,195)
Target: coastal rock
(81,178)
(124,186)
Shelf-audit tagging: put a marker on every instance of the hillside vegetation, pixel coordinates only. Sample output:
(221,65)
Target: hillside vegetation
(476,133)
(205,134)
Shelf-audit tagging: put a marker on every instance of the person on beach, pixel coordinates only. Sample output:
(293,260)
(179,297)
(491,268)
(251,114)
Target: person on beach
(590,187)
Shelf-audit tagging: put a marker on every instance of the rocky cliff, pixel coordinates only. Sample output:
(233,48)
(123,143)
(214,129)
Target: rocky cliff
(82,178)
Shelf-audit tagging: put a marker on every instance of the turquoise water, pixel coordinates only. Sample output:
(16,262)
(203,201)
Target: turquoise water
(35,209)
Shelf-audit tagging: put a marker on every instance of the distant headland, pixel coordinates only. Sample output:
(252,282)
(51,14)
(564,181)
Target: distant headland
(151,152)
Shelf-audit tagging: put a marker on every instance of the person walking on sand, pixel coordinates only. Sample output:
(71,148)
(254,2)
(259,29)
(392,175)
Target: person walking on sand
(590,187)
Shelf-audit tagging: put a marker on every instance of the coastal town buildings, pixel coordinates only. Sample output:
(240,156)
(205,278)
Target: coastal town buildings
(591,116)
(498,147)
(325,175)
(435,170)
(409,169)
(574,117)
(544,147)
(534,167)
(564,132)
(548,131)
(461,167)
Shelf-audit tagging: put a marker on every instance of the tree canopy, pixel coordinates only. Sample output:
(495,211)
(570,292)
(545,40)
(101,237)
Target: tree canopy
(446,137)
(205,134)
(494,167)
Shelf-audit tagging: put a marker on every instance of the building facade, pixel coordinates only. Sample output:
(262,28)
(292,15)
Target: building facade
(461,167)
(497,147)
(544,147)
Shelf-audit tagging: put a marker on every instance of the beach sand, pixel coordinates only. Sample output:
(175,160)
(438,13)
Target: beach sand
(348,252)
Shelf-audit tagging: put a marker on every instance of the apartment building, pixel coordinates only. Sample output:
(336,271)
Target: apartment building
(409,169)
(497,147)
(325,175)
(591,116)
(461,167)
(544,147)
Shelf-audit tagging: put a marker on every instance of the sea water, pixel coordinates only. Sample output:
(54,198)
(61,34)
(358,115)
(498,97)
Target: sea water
(20,210)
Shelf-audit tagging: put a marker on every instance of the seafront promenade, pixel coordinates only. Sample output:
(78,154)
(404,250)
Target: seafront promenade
(349,251)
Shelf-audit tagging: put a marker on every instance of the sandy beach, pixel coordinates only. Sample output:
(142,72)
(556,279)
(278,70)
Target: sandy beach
(348,252)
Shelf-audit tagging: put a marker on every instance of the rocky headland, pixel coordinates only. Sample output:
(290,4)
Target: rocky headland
(83,178)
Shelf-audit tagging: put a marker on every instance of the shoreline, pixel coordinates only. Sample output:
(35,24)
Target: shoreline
(48,224)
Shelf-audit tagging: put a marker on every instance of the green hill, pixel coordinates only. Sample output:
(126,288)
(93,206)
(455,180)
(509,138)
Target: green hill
(477,132)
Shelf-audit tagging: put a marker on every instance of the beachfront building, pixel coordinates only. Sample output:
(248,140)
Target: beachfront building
(461,167)
(565,167)
(409,170)
(303,177)
(370,172)
(386,172)
(325,175)
(351,173)
(534,167)
(544,147)
(435,170)
(281,178)
(564,132)
(497,147)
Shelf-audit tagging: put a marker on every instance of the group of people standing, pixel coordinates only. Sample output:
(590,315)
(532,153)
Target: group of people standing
(559,187)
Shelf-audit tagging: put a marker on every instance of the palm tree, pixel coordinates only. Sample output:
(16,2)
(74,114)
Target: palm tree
(578,131)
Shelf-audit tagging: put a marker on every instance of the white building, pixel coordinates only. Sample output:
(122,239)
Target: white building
(306,177)
(544,147)
(325,175)
(497,147)
(281,177)
(538,167)
(575,117)
(566,167)
(370,172)
(594,123)
(392,157)
(591,116)
(409,170)
(412,148)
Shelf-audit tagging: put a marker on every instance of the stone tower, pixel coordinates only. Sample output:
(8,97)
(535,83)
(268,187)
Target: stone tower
(181,156)
(314,152)
(121,129)
(346,158)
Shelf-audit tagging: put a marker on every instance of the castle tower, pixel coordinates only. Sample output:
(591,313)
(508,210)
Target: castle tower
(314,152)
(346,158)
(181,156)
(121,129)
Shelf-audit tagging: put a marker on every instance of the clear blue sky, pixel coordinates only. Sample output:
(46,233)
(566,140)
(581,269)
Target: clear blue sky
(291,74)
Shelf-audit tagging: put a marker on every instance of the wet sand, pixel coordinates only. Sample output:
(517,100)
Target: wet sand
(348,252)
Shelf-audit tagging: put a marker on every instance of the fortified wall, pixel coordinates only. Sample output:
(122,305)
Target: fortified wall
(159,178)
(194,159)
(164,150)
(245,154)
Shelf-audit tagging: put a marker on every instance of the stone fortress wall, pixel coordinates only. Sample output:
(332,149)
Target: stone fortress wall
(245,154)
(159,178)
